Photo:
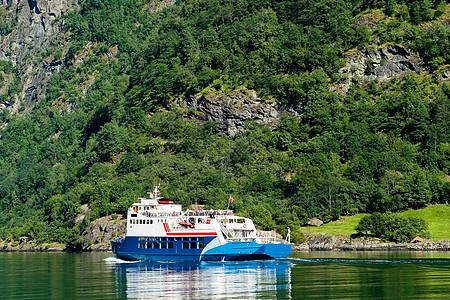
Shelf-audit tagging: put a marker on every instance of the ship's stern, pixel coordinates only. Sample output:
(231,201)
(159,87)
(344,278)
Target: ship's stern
(276,250)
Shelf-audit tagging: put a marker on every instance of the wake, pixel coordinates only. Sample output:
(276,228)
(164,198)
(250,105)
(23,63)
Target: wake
(115,260)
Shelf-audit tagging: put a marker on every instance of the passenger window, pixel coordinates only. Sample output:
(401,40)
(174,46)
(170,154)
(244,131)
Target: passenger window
(200,245)
(193,245)
(185,245)
(170,244)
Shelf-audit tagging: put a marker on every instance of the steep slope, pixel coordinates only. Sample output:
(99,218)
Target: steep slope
(259,117)
(35,42)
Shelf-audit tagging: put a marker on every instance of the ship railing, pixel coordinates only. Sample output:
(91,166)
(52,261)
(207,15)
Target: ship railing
(237,235)
(151,214)
(209,213)
(269,237)
(229,233)
(181,218)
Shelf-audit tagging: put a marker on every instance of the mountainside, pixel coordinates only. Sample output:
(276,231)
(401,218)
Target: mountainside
(33,39)
(299,109)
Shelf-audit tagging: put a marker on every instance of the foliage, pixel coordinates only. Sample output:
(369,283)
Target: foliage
(106,128)
(393,227)
(434,215)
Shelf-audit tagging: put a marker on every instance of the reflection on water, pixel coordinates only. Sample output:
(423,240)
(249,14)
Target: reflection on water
(205,280)
(305,275)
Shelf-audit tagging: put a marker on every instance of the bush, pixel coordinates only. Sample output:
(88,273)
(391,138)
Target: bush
(297,236)
(393,227)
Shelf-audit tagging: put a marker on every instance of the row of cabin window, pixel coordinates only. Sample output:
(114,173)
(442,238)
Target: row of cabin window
(147,208)
(149,221)
(232,220)
(169,245)
(163,239)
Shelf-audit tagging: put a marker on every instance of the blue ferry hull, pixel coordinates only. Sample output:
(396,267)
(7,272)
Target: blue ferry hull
(206,249)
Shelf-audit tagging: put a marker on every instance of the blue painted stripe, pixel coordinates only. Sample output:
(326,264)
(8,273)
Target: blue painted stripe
(132,248)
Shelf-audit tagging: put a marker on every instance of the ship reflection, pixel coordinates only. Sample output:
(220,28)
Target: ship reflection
(205,280)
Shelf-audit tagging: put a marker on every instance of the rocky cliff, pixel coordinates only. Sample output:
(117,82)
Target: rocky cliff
(232,110)
(100,232)
(380,64)
(35,42)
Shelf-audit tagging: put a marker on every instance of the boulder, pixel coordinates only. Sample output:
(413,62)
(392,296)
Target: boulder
(315,222)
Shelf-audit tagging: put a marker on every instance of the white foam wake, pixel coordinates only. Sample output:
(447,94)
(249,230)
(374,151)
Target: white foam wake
(115,260)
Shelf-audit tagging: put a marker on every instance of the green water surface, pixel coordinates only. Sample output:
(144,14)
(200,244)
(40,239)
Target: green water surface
(309,275)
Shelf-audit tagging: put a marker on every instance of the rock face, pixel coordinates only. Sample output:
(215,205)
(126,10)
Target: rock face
(37,32)
(100,232)
(322,242)
(382,65)
(25,244)
(232,111)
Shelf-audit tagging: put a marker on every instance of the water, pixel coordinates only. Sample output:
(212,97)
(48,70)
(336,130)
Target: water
(315,275)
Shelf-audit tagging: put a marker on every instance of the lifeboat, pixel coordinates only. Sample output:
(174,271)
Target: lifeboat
(187,224)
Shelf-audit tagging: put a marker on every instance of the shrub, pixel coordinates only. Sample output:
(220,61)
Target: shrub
(393,227)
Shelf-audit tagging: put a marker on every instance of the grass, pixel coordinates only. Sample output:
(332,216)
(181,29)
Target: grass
(344,226)
(437,216)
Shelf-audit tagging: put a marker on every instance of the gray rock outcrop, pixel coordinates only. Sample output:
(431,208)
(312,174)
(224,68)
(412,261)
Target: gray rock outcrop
(29,45)
(322,242)
(233,110)
(100,232)
(382,64)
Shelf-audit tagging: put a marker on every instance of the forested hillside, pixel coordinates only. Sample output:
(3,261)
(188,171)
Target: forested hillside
(106,128)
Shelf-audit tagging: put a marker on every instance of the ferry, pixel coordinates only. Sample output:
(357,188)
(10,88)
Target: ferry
(159,230)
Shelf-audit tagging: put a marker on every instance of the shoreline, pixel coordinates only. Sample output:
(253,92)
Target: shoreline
(313,242)
(323,242)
